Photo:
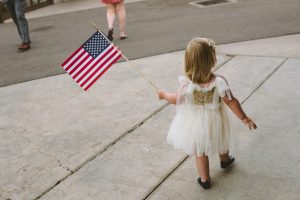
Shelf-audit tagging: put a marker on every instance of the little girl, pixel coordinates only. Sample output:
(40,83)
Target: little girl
(201,125)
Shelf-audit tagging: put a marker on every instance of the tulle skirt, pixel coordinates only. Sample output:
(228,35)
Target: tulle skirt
(200,130)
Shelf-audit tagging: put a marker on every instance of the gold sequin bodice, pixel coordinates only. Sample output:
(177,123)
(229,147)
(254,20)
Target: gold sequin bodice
(201,98)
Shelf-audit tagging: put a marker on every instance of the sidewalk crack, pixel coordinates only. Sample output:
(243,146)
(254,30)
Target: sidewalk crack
(32,146)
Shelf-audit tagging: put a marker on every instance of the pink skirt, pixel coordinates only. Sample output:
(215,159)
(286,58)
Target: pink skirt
(111,1)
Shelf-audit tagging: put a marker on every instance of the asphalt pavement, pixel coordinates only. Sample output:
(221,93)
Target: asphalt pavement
(154,27)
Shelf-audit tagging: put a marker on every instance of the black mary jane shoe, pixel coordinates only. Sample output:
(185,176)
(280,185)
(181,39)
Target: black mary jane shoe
(205,185)
(226,164)
(110,34)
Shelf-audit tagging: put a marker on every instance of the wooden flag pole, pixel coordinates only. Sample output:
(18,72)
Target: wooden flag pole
(141,73)
(134,67)
(98,29)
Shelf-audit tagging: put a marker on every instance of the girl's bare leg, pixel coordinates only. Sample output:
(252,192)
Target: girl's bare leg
(226,160)
(120,8)
(203,167)
(110,15)
(224,157)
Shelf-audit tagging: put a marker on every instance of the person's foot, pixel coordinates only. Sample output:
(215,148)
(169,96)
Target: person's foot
(226,164)
(110,34)
(123,37)
(24,46)
(206,185)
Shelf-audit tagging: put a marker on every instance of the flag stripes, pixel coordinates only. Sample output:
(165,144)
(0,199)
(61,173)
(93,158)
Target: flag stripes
(71,57)
(91,66)
(102,71)
(90,61)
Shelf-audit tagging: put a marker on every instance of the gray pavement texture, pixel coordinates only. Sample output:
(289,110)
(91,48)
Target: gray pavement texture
(154,27)
(58,142)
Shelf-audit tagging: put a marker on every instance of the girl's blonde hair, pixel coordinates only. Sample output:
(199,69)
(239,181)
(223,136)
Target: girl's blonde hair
(200,58)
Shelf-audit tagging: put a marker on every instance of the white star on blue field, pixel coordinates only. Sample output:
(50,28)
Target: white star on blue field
(96,44)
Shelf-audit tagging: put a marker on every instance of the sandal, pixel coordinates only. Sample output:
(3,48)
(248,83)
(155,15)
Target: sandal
(123,37)
(110,34)
(205,185)
(226,164)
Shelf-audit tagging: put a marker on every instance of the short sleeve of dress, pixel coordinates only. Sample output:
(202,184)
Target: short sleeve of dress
(223,87)
(181,94)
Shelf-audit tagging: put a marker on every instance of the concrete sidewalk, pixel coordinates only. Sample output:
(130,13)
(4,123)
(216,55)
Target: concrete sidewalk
(58,142)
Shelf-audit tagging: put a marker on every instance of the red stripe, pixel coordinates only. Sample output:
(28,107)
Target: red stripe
(79,64)
(73,54)
(115,60)
(75,60)
(87,64)
(99,67)
(106,53)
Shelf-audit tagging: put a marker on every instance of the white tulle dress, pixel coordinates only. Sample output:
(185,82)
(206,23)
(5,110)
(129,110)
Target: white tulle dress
(201,124)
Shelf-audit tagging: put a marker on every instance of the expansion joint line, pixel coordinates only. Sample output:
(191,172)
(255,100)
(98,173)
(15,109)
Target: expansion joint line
(104,149)
(262,82)
(167,176)
(230,57)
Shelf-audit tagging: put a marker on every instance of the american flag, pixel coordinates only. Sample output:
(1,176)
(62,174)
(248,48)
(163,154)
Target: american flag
(90,61)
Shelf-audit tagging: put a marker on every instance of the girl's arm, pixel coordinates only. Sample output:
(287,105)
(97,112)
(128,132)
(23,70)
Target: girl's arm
(169,97)
(236,108)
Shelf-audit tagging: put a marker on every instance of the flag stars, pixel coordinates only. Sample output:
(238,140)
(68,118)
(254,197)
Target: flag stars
(96,44)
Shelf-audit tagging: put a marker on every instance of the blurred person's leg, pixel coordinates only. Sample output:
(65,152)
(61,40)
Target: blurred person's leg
(110,15)
(12,11)
(122,18)
(20,6)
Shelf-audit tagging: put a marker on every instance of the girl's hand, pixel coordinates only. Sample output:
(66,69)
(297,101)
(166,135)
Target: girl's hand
(160,94)
(248,122)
